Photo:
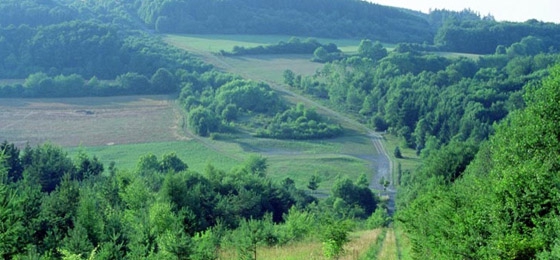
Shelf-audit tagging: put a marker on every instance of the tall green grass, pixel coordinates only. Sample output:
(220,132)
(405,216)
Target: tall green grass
(126,156)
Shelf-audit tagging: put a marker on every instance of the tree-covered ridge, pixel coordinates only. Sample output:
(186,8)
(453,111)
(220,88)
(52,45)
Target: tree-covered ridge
(92,58)
(89,48)
(505,204)
(427,99)
(92,52)
(34,13)
(53,206)
(485,37)
(317,18)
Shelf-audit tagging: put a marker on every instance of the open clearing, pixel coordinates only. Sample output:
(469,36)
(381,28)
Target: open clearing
(122,129)
(269,68)
(89,121)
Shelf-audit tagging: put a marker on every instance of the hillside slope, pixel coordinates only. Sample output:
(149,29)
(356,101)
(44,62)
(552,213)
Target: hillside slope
(318,18)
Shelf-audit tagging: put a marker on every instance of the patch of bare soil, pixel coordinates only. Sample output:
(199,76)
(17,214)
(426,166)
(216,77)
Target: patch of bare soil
(90,121)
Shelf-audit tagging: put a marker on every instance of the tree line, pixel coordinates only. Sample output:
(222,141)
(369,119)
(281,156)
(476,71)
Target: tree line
(497,200)
(457,31)
(74,85)
(426,99)
(485,36)
(91,57)
(55,206)
(83,54)
(293,46)
(317,18)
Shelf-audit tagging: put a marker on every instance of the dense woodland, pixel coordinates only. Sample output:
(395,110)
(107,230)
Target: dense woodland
(484,125)
(55,206)
(317,18)
(504,203)
(426,99)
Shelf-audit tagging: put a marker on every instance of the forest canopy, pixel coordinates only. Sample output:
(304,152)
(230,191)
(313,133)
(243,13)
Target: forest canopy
(504,203)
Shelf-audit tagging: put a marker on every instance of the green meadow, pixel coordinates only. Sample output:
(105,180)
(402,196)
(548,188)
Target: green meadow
(297,160)
(217,42)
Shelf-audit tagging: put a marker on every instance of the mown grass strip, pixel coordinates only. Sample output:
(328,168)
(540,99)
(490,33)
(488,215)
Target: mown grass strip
(389,249)
(196,155)
(375,248)
(404,246)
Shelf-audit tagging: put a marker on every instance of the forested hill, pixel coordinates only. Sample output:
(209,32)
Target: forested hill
(441,30)
(464,31)
(317,18)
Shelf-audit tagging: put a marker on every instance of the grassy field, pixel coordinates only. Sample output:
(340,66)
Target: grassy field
(122,129)
(217,42)
(259,67)
(293,159)
(312,250)
(126,156)
(271,67)
(346,156)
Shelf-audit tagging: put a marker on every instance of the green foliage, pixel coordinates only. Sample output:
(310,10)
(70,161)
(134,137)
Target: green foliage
(11,216)
(356,200)
(148,163)
(297,225)
(203,121)
(419,96)
(299,123)
(397,153)
(320,55)
(86,167)
(163,81)
(314,181)
(256,165)
(294,46)
(289,77)
(214,107)
(47,164)
(378,219)
(461,36)
(248,96)
(11,161)
(66,58)
(207,244)
(170,162)
(318,18)
(334,237)
(367,49)
(502,206)
(250,234)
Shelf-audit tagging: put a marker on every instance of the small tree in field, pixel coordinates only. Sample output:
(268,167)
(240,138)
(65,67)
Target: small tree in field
(335,236)
(313,182)
(398,153)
